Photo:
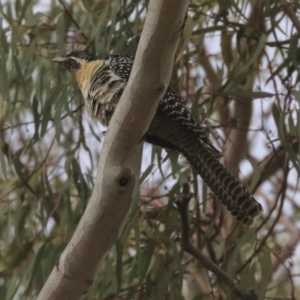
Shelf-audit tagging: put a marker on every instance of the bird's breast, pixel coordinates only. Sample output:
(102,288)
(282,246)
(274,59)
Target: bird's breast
(85,74)
(101,89)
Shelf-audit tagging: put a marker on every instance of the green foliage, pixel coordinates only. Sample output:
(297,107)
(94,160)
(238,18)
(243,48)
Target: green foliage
(50,148)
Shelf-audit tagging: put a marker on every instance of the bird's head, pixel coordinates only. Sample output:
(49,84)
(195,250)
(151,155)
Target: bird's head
(74,60)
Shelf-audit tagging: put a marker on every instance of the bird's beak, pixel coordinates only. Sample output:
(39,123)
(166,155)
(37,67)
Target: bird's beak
(59,59)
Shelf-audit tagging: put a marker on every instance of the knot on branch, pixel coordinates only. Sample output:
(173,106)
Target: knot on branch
(123,178)
(123,181)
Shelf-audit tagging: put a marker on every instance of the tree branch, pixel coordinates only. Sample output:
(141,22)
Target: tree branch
(120,159)
(290,12)
(186,245)
(273,162)
(237,139)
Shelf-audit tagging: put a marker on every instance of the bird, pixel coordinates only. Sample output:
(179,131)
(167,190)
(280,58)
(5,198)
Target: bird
(102,82)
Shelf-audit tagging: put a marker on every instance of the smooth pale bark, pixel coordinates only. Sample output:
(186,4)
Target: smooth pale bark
(119,165)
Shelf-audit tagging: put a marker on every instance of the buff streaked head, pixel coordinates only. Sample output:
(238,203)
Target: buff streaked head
(74,60)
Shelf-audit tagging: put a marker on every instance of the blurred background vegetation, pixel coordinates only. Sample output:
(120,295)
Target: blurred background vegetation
(237,69)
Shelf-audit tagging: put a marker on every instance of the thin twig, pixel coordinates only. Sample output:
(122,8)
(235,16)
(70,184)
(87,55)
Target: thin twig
(281,193)
(71,18)
(290,12)
(186,245)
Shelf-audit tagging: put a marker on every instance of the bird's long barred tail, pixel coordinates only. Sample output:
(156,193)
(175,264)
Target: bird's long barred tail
(223,184)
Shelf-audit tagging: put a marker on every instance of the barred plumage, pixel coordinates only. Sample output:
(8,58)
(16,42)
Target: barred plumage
(102,82)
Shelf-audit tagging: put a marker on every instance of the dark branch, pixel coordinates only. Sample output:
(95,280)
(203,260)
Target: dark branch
(71,18)
(186,245)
